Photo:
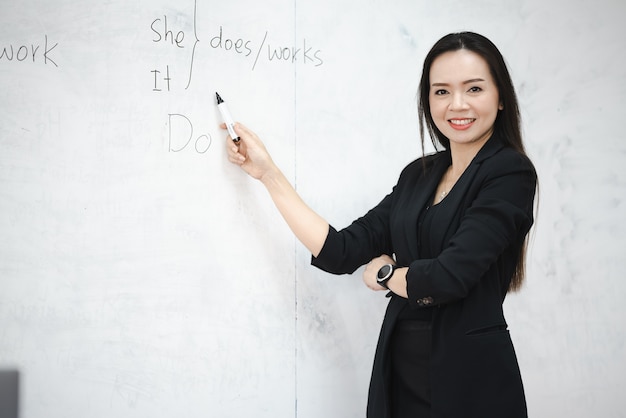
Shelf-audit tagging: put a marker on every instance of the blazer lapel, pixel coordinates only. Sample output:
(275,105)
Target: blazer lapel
(422,194)
(426,184)
(492,146)
(454,201)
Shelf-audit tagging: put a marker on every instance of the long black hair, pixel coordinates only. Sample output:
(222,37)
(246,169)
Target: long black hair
(508,121)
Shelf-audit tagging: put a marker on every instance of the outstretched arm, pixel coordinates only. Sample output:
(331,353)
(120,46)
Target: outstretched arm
(252,156)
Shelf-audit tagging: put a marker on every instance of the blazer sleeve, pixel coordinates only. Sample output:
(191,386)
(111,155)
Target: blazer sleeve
(498,218)
(367,237)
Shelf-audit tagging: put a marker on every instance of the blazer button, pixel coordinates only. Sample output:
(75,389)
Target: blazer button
(428,301)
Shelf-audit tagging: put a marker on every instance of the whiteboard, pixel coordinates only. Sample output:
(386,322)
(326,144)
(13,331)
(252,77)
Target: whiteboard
(143,275)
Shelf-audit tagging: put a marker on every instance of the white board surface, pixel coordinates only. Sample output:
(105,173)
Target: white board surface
(141,275)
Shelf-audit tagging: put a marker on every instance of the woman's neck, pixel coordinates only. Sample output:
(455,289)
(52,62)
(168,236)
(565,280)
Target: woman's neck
(462,155)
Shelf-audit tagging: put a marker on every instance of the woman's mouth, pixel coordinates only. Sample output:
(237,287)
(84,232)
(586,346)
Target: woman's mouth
(461,124)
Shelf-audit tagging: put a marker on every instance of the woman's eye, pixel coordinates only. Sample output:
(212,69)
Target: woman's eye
(440,92)
(475,89)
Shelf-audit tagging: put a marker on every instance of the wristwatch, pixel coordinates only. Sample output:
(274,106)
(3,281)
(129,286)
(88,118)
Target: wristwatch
(384,274)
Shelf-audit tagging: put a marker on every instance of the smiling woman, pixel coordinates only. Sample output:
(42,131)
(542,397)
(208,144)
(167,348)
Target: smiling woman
(464,104)
(448,242)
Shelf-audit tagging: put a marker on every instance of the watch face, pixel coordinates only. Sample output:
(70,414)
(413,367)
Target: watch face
(384,271)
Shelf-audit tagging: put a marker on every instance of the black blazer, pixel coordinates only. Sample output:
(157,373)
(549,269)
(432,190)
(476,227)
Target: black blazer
(479,229)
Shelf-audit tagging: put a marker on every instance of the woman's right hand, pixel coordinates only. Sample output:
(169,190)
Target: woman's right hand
(250,153)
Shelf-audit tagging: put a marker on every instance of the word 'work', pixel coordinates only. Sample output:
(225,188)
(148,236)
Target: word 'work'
(31,52)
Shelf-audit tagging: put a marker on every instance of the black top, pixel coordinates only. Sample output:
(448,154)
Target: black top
(426,250)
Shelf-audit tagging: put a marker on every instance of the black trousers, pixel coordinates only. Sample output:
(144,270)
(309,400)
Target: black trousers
(410,369)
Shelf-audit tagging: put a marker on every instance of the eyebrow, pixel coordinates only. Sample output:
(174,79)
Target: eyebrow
(473,80)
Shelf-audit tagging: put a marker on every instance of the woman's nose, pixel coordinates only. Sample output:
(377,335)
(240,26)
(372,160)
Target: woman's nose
(458,102)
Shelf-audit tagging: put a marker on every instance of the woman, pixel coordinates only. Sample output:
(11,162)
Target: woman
(448,242)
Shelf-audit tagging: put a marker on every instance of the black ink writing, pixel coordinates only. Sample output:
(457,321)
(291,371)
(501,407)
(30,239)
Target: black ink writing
(292,54)
(181,135)
(163,33)
(158,78)
(259,51)
(21,52)
(167,33)
(195,35)
(238,45)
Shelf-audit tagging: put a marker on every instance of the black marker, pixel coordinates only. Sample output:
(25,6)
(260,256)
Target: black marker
(228,120)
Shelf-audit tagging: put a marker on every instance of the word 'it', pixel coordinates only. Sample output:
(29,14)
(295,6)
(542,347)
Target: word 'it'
(159,77)
(22,53)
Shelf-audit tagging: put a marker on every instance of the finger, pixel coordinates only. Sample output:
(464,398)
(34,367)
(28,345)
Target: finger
(223,126)
(236,159)
(242,130)
(234,152)
(240,127)
(230,138)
